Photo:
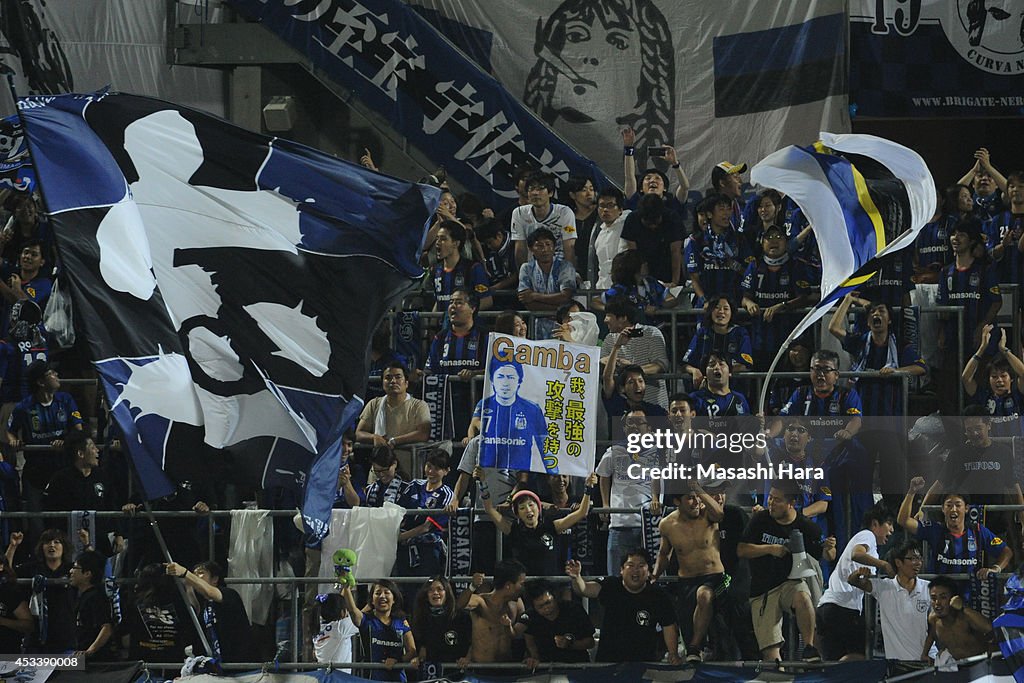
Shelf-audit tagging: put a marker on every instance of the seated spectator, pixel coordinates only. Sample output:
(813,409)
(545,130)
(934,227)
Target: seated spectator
(94,618)
(638,622)
(555,631)
(546,281)
(628,280)
(221,610)
(155,619)
(510,322)
(333,642)
(653,181)
(641,345)
(955,547)
(382,352)
(421,541)
(717,258)
(902,602)
(453,271)
(500,262)
(989,185)
(772,287)
(657,233)
(1002,396)
(382,624)
(766,544)
(84,485)
(606,240)
(396,420)
(957,630)
(532,536)
(580,197)
(559,219)
(387,486)
(493,613)
(52,560)
(717,334)
(442,632)
(15,618)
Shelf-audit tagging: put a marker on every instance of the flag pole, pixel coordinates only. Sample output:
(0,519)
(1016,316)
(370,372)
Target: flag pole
(152,520)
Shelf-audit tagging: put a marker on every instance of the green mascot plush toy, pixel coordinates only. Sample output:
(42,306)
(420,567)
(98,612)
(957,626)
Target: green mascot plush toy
(344,567)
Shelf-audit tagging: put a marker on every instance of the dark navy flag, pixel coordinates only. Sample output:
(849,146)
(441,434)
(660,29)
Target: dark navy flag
(228,283)
(16,171)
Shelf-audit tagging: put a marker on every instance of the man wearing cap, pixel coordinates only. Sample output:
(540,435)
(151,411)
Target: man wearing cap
(725,179)
(772,287)
(42,419)
(692,531)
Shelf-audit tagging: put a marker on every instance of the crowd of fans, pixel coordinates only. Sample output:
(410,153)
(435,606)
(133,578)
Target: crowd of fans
(598,267)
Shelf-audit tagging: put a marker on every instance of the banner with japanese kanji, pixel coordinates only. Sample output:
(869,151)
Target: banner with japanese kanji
(539,410)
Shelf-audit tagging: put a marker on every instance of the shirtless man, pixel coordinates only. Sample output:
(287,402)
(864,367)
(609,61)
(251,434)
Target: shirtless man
(494,613)
(692,529)
(960,630)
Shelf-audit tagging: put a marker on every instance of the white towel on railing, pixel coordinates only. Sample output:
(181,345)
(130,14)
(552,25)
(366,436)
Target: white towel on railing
(252,556)
(371,532)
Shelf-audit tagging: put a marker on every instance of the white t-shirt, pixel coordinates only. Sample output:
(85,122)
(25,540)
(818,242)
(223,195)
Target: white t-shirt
(334,642)
(626,491)
(608,243)
(839,591)
(904,617)
(561,220)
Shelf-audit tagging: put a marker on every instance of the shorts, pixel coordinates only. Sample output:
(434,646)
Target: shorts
(766,611)
(686,597)
(840,631)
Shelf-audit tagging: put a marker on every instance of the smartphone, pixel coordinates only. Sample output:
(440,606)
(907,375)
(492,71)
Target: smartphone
(634,332)
(656,151)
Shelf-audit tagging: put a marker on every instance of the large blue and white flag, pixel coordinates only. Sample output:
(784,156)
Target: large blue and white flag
(865,198)
(228,283)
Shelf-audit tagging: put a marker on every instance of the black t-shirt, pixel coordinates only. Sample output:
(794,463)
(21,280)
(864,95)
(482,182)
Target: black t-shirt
(92,611)
(227,624)
(157,630)
(445,640)
(655,245)
(768,571)
(69,489)
(974,470)
(630,631)
(10,597)
(572,621)
(730,531)
(536,548)
(60,613)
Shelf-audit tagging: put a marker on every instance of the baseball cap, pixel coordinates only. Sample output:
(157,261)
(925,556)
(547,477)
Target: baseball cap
(725,168)
(773,231)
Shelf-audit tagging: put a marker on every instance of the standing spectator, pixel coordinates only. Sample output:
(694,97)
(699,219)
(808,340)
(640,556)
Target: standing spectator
(840,611)
(989,185)
(653,181)
(519,176)
(221,610)
(386,633)
(621,488)
(556,631)
(453,271)
(931,249)
(606,240)
(642,345)
(902,601)
(460,350)
(333,642)
(773,286)
(395,419)
(421,541)
(635,611)
(893,282)
(722,407)
(546,281)
(495,612)
(179,533)
(717,334)
(1003,395)
(969,282)
(628,280)
(1006,232)
(15,619)
(726,180)
(814,495)
(580,194)
(717,258)
(42,419)
(388,486)
(155,618)
(351,477)
(94,618)
(442,632)
(766,544)
(542,213)
(769,213)
(52,560)
(956,629)
(657,233)
(500,262)
(29,281)
(84,485)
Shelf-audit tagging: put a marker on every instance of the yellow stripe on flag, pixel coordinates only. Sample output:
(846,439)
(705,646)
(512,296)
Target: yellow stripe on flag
(866,203)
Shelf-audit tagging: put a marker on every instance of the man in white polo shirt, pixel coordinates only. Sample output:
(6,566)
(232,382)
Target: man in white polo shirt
(840,635)
(902,601)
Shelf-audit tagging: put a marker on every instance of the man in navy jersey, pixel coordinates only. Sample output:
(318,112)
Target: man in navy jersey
(719,409)
(717,258)
(1005,232)
(813,496)
(500,261)
(971,283)
(459,350)
(454,272)
(1002,395)
(42,419)
(29,282)
(932,253)
(954,546)
(513,427)
(772,286)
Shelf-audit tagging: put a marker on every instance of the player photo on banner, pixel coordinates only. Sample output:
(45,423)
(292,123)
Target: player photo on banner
(539,407)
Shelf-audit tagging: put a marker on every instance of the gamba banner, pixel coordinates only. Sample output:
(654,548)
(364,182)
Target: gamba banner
(937,58)
(539,405)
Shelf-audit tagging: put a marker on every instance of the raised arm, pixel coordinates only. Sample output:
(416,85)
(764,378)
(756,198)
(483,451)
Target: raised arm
(503,524)
(586,589)
(861,578)
(580,513)
(608,376)
(628,162)
(837,323)
(905,516)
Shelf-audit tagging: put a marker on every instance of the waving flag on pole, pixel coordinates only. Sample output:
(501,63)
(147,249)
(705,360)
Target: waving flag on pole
(865,198)
(228,283)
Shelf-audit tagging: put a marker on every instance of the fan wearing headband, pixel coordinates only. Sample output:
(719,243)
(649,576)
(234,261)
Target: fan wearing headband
(532,536)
